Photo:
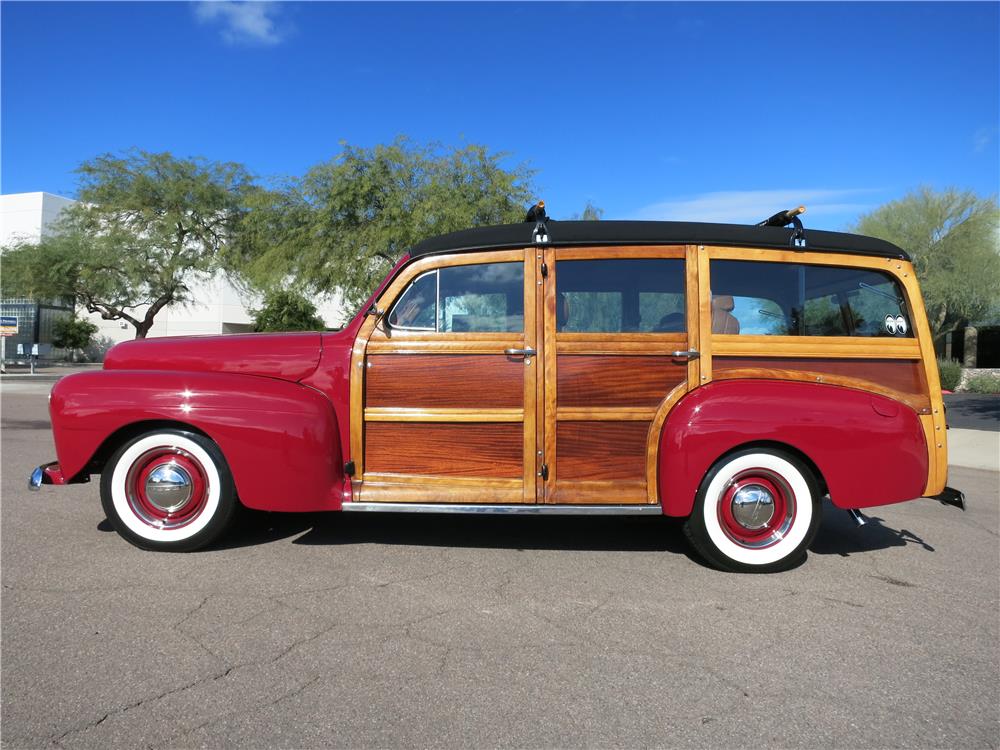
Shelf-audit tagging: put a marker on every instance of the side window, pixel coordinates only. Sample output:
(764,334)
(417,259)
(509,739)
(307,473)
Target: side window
(638,295)
(792,299)
(479,298)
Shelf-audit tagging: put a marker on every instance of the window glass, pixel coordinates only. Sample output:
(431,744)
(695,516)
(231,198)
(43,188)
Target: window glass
(792,299)
(416,308)
(638,295)
(476,298)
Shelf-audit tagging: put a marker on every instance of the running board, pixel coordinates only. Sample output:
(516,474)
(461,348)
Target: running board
(527,509)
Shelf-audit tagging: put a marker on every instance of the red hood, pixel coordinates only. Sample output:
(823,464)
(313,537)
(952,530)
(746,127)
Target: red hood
(286,356)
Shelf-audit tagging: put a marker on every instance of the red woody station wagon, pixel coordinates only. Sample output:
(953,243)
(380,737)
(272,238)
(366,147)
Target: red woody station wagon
(731,375)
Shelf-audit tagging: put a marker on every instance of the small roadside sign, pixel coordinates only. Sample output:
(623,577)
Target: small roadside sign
(8,325)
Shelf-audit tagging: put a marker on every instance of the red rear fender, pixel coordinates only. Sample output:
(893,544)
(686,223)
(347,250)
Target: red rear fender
(870,450)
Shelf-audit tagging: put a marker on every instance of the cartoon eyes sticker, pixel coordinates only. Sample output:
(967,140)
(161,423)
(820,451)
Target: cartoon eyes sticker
(895,325)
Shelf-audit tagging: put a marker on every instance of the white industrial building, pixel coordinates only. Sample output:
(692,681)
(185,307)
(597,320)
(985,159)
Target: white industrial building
(217,306)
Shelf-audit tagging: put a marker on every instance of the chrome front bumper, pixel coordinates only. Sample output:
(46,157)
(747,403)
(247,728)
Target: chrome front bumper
(49,473)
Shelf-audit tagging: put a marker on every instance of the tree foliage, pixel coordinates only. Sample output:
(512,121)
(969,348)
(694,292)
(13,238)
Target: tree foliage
(347,221)
(146,226)
(286,310)
(73,333)
(952,237)
(590,213)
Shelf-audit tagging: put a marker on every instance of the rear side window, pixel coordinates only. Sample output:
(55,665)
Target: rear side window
(487,297)
(635,295)
(792,299)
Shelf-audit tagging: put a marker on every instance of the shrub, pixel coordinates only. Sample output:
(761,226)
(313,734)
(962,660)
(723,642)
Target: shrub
(951,373)
(984,382)
(286,310)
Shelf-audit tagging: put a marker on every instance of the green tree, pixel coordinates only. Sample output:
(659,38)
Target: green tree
(952,237)
(146,226)
(73,333)
(590,213)
(347,221)
(286,310)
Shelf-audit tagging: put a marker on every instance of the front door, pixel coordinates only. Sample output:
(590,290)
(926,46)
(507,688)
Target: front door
(447,389)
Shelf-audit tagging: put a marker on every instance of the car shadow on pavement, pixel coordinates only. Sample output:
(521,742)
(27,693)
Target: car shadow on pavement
(840,535)
(626,534)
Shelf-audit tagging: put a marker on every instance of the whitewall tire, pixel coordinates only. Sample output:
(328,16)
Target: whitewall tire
(168,490)
(757,510)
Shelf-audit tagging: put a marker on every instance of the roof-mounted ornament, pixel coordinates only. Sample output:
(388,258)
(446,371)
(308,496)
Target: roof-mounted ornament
(783,219)
(536,214)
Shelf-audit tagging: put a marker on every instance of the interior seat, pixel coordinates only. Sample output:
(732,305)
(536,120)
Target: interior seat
(722,319)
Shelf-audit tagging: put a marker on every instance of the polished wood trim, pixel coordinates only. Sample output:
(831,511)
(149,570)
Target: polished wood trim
(605,414)
(662,347)
(814,346)
(549,447)
(653,440)
(439,481)
(531,368)
(358,395)
(406,414)
(692,339)
(446,346)
(937,443)
(600,492)
(537,484)
(816,258)
(705,338)
(621,251)
(398,492)
(917,403)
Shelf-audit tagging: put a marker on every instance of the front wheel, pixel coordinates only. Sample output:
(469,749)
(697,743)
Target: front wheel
(757,510)
(168,490)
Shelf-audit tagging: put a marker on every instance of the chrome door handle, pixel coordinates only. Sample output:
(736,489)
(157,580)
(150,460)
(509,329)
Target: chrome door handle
(520,352)
(688,354)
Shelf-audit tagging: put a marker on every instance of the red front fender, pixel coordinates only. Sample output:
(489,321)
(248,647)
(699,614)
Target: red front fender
(869,449)
(279,438)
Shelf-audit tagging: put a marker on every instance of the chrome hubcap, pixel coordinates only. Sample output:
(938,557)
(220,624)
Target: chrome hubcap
(169,487)
(753,506)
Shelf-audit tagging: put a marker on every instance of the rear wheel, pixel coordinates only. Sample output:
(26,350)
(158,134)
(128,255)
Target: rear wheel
(168,490)
(757,510)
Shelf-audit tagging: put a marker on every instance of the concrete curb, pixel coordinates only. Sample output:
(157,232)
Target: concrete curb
(974,449)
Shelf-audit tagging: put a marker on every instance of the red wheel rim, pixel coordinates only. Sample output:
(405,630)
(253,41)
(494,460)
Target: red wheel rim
(756,508)
(190,488)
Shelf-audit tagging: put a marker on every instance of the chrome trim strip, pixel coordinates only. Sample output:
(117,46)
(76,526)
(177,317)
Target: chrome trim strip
(527,509)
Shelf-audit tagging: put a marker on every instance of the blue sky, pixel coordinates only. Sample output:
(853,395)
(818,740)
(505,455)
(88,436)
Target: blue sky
(698,111)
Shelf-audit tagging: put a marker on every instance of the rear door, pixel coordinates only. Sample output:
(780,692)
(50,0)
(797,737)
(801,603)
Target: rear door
(616,357)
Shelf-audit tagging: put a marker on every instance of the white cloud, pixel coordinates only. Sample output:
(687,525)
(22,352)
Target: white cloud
(751,206)
(982,139)
(242,22)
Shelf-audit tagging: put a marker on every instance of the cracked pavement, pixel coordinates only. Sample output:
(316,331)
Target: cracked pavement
(371,630)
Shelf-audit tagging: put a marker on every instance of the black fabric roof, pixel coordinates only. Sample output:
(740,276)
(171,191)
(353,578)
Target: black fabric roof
(577,233)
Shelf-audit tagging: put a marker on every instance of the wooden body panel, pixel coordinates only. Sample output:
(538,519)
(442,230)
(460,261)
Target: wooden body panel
(487,450)
(445,381)
(616,380)
(602,450)
(900,378)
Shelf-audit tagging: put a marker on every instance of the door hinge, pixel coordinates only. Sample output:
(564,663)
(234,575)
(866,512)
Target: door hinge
(545,270)
(349,468)
(544,472)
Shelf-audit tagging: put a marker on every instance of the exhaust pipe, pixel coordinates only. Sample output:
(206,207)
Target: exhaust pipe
(859,519)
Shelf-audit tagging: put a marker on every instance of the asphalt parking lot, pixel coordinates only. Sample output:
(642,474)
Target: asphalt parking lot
(379,631)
